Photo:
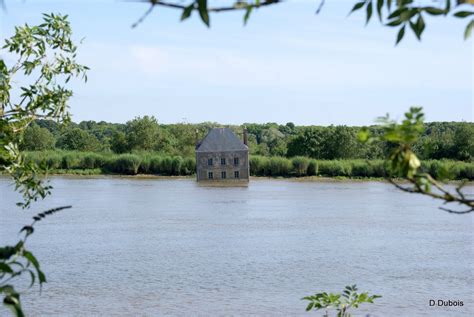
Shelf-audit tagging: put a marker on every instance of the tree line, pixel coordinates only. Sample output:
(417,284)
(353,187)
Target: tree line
(440,140)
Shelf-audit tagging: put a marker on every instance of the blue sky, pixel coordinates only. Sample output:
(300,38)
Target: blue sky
(287,64)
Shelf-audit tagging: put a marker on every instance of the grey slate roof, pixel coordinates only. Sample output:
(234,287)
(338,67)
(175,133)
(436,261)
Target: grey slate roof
(221,139)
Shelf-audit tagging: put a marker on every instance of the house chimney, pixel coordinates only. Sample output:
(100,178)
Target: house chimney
(245,136)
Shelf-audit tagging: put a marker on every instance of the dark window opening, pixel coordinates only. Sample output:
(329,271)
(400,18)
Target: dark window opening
(236,174)
(236,161)
(223,161)
(209,161)
(223,175)
(210,175)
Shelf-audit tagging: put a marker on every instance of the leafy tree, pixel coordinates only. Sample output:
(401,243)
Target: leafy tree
(436,143)
(288,129)
(463,146)
(142,133)
(46,55)
(401,14)
(51,125)
(340,142)
(439,140)
(78,140)
(102,130)
(181,139)
(36,138)
(309,142)
(118,142)
(274,140)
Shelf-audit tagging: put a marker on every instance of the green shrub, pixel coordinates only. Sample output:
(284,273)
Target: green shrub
(467,171)
(189,166)
(361,169)
(70,161)
(300,165)
(176,164)
(377,168)
(167,165)
(127,164)
(312,168)
(145,165)
(155,165)
(434,168)
(91,161)
(53,161)
(279,166)
(258,165)
(34,157)
(454,169)
(335,168)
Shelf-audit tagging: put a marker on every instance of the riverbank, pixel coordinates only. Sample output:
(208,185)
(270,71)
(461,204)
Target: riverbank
(154,164)
(92,174)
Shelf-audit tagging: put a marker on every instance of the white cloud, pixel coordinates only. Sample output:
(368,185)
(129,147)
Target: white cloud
(301,70)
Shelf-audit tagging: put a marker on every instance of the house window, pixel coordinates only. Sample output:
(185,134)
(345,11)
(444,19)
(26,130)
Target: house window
(236,174)
(236,161)
(223,175)
(223,161)
(209,161)
(210,175)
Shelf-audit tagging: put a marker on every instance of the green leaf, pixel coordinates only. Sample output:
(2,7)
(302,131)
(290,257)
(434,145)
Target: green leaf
(394,23)
(468,31)
(357,6)
(396,13)
(31,258)
(414,28)
(28,230)
(400,35)
(187,12)
(463,14)
(34,261)
(247,14)
(434,11)
(41,277)
(203,13)
(421,23)
(369,13)
(13,302)
(7,252)
(418,27)
(379,9)
(421,26)
(389,5)
(5,268)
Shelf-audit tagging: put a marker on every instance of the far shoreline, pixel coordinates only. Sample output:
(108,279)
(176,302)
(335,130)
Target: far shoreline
(297,179)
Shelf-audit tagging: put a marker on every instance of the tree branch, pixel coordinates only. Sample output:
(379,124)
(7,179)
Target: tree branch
(237,6)
(447,197)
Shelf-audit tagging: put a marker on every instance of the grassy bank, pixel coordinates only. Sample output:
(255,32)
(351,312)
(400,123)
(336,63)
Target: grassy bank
(90,163)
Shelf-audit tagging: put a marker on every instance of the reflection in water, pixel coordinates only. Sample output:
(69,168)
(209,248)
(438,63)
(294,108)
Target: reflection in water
(149,246)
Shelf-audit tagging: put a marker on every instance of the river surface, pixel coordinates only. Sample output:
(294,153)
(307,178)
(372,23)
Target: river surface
(147,247)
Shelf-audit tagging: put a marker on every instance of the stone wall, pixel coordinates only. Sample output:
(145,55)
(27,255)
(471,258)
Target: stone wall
(203,168)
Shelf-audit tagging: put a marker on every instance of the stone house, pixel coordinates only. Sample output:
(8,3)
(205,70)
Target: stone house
(222,156)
